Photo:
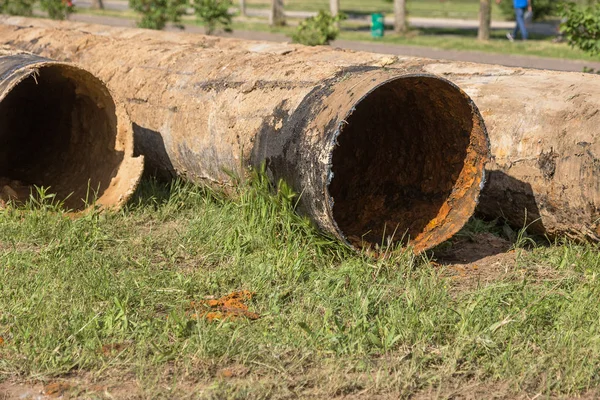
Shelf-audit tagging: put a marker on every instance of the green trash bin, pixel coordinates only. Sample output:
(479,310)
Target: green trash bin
(377,25)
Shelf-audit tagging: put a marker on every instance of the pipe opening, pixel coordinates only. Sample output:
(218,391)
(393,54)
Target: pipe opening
(403,168)
(58,129)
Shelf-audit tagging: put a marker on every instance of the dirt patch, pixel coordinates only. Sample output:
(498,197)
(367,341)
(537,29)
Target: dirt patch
(477,248)
(477,260)
(482,259)
(472,391)
(80,387)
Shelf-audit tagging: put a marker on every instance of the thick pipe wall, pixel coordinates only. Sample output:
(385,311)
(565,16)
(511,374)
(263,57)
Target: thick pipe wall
(60,129)
(376,154)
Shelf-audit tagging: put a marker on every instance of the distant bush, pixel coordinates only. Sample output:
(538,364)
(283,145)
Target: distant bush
(581,27)
(57,9)
(156,13)
(213,13)
(318,30)
(541,9)
(17,7)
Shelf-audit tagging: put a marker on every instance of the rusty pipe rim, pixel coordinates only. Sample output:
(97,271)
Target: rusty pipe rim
(61,129)
(406,163)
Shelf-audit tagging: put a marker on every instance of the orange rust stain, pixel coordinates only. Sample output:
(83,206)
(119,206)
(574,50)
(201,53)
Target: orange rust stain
(97,388)
(227,373)
(235,371)
(56,389)
(113,348)
(471,172)
(231,306)
(1,340)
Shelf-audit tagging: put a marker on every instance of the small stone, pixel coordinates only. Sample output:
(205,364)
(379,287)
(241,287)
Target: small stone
(8,193)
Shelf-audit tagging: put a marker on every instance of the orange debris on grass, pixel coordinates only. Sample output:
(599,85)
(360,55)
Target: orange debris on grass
(231,306)
(56,389)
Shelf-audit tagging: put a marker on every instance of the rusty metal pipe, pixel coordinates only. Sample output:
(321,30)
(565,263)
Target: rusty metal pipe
(60,129)
(376,154)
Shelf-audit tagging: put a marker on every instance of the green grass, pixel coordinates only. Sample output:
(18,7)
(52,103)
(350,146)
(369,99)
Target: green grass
(465,40)
(448,39)
(332,322)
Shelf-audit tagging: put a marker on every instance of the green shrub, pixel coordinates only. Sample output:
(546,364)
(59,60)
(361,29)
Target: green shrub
(17,7)
(541,9)
(318,30)
(57,9)
(581,27)
(156,13)
(213,13)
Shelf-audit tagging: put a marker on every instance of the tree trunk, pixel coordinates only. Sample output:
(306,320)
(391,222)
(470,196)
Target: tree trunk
(243,8)
(400,25)
(97,5)
(277,17)
(485,19)
(334,7)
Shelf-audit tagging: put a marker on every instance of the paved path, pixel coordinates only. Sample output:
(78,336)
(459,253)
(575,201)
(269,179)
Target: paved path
(457,55)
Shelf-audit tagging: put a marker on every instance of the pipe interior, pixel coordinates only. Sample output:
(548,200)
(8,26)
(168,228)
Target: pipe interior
(58,131)
(398,159)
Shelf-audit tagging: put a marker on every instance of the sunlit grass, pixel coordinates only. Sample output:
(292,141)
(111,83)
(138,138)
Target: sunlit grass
(332,321)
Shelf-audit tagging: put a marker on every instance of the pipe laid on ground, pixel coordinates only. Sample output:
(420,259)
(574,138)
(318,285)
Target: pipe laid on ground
(543,128)
(544,131)
(60,129)
(542,125)
(374,153)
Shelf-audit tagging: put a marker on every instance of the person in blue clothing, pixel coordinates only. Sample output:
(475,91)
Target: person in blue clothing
(521,7)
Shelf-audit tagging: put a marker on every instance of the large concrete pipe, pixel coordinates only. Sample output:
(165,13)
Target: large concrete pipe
(60,129)
(543,128)
(374,153)
(545,138)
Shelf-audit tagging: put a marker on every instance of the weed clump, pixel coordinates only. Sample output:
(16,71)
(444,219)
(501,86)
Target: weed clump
(318,30)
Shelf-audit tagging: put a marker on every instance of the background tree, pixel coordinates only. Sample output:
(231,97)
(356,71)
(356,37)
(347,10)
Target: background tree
(57,9)
(17,7)
(277,16)
(485,19)
(400,25)
(318,30)
(582,26)
(98,4)
(334,7)
(243,8)
(156,13)
(213,13)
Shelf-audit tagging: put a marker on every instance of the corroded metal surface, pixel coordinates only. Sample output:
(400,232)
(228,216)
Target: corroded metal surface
(205,108)
(59,128)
